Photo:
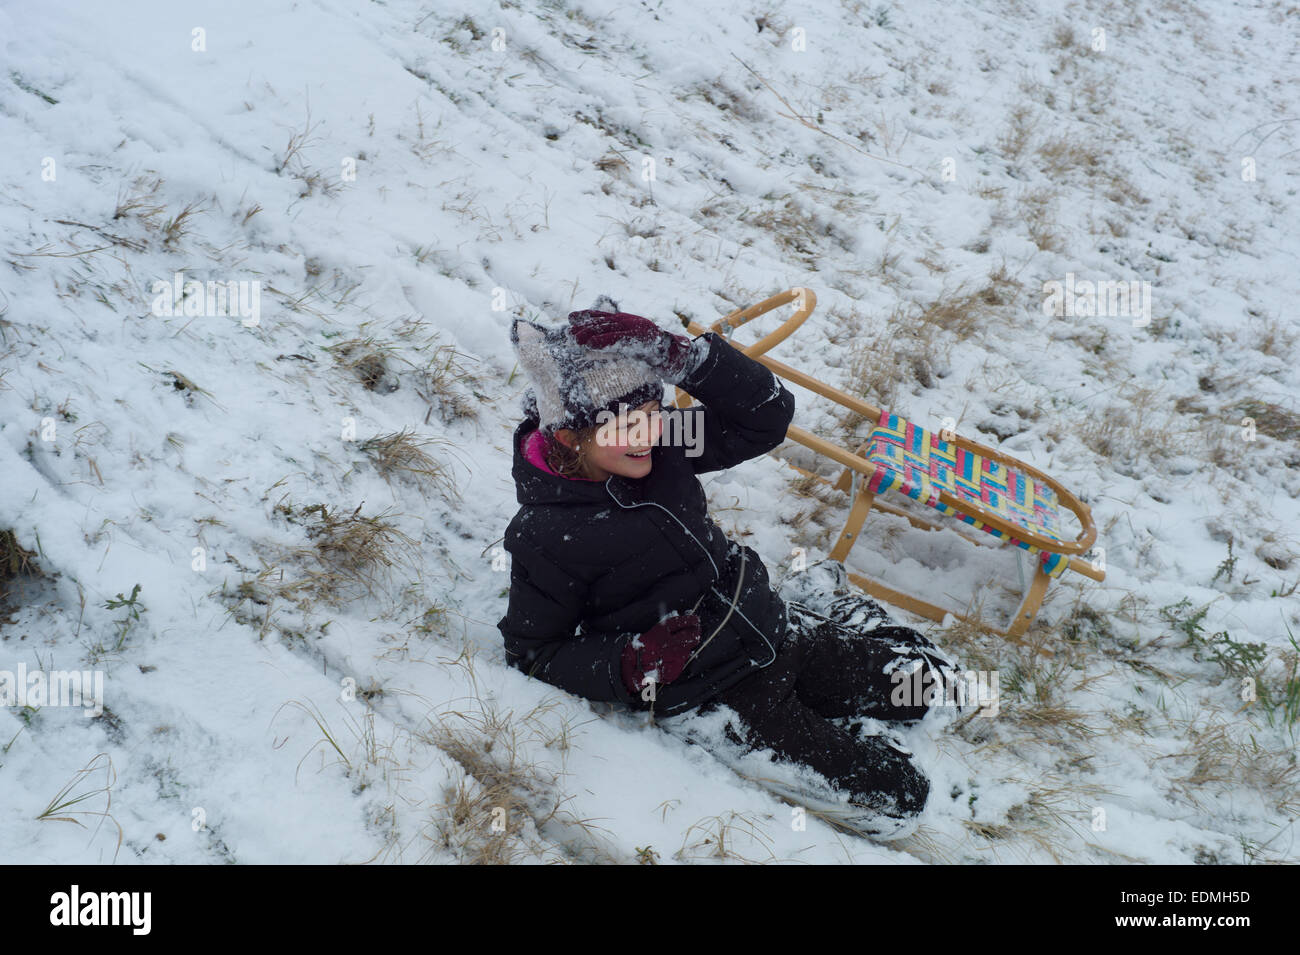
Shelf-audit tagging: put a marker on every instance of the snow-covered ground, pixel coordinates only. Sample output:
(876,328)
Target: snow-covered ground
(316,675)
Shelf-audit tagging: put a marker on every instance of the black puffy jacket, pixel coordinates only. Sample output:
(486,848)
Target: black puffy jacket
(594,564)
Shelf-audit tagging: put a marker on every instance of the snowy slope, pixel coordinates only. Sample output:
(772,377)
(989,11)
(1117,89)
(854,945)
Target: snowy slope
(401,179)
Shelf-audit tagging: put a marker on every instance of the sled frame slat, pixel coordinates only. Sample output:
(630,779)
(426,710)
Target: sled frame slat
(857,472)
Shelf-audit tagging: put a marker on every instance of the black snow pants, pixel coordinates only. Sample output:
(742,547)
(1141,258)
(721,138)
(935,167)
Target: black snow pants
(827,670)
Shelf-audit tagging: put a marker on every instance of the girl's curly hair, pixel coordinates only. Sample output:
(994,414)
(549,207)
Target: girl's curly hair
(565,461)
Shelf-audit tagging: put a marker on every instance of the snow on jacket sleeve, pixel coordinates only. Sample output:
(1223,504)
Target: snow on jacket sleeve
(747,409)
(539,627)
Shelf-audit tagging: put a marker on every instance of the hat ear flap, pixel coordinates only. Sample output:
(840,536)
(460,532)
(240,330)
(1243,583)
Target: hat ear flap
(522,330)
(529,403)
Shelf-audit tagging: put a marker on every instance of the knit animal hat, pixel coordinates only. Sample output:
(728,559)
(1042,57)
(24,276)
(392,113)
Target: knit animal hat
(571,384)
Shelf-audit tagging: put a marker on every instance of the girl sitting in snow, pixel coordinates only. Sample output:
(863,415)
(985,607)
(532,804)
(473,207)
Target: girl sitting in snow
(623,589)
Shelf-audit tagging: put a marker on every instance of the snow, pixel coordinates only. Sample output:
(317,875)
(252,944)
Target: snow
(477,198)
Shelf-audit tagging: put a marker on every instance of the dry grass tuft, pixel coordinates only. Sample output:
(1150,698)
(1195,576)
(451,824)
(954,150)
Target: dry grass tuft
(1064,38)
(1057,719)
(612,161)
(498,812)
(1061,155)
(402,454)
(1140,426)
(473,821)
(1053,810)
(181,224)
(964,311)
(797,231)
(1270,419)
(1014,140)
(824,505)
(298,140)
(718,836)
(140,201)
(439,372)
(59,808)
(1227,756)
(441,381)
(182,383)
(16,562)
(1036,211)
(483,817)
(1051,820)
(1271,336)
(873,374)
(368,359)
(917,340)
(357,545)
(973,643)
(351,554)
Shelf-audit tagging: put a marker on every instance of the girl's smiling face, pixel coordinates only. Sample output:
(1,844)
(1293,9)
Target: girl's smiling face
(615,447)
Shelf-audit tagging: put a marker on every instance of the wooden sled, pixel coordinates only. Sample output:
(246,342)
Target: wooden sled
(956,476)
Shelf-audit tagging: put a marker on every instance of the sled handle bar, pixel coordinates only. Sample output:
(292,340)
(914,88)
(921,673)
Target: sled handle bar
(727,325)
(807,301)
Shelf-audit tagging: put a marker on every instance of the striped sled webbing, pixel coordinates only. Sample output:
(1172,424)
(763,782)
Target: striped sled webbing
(913,461)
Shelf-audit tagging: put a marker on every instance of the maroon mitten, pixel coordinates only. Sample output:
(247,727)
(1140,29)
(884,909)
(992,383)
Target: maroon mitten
(664,648)
(663,351)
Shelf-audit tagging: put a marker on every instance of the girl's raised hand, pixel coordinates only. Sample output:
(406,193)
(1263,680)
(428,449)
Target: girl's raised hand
(663,351)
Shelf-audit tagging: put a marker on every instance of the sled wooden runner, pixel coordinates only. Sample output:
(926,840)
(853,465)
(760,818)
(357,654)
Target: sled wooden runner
(971,482)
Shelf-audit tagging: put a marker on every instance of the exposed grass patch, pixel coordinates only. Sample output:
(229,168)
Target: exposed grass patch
(962,311)
(80,789)
(612,162)
(972,642)
(717,837)
(1036,211)
(500,810)
(1281,698)
(299,139)
(1224,758)
(823,504)
(1138,427)
(291,160)
(726,100)
(367,358)
(182,383)
(439,372)
(17,564)
(16,560)
(140,200)
(181,224)
(1061,155)
(798,231)
(1270,336)
(1051,820)
(350,554)
(1270,419)
(1014,140)
(442,378)
(401,455)
(1235,658)
(873,373)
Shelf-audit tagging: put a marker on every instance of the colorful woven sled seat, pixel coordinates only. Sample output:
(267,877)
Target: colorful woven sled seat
(966,480)
(914,461)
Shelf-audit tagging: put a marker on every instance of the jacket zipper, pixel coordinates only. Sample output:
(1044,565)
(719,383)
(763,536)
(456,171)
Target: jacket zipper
(706,554)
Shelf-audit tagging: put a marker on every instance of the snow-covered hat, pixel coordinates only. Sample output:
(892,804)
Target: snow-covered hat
(571,384)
